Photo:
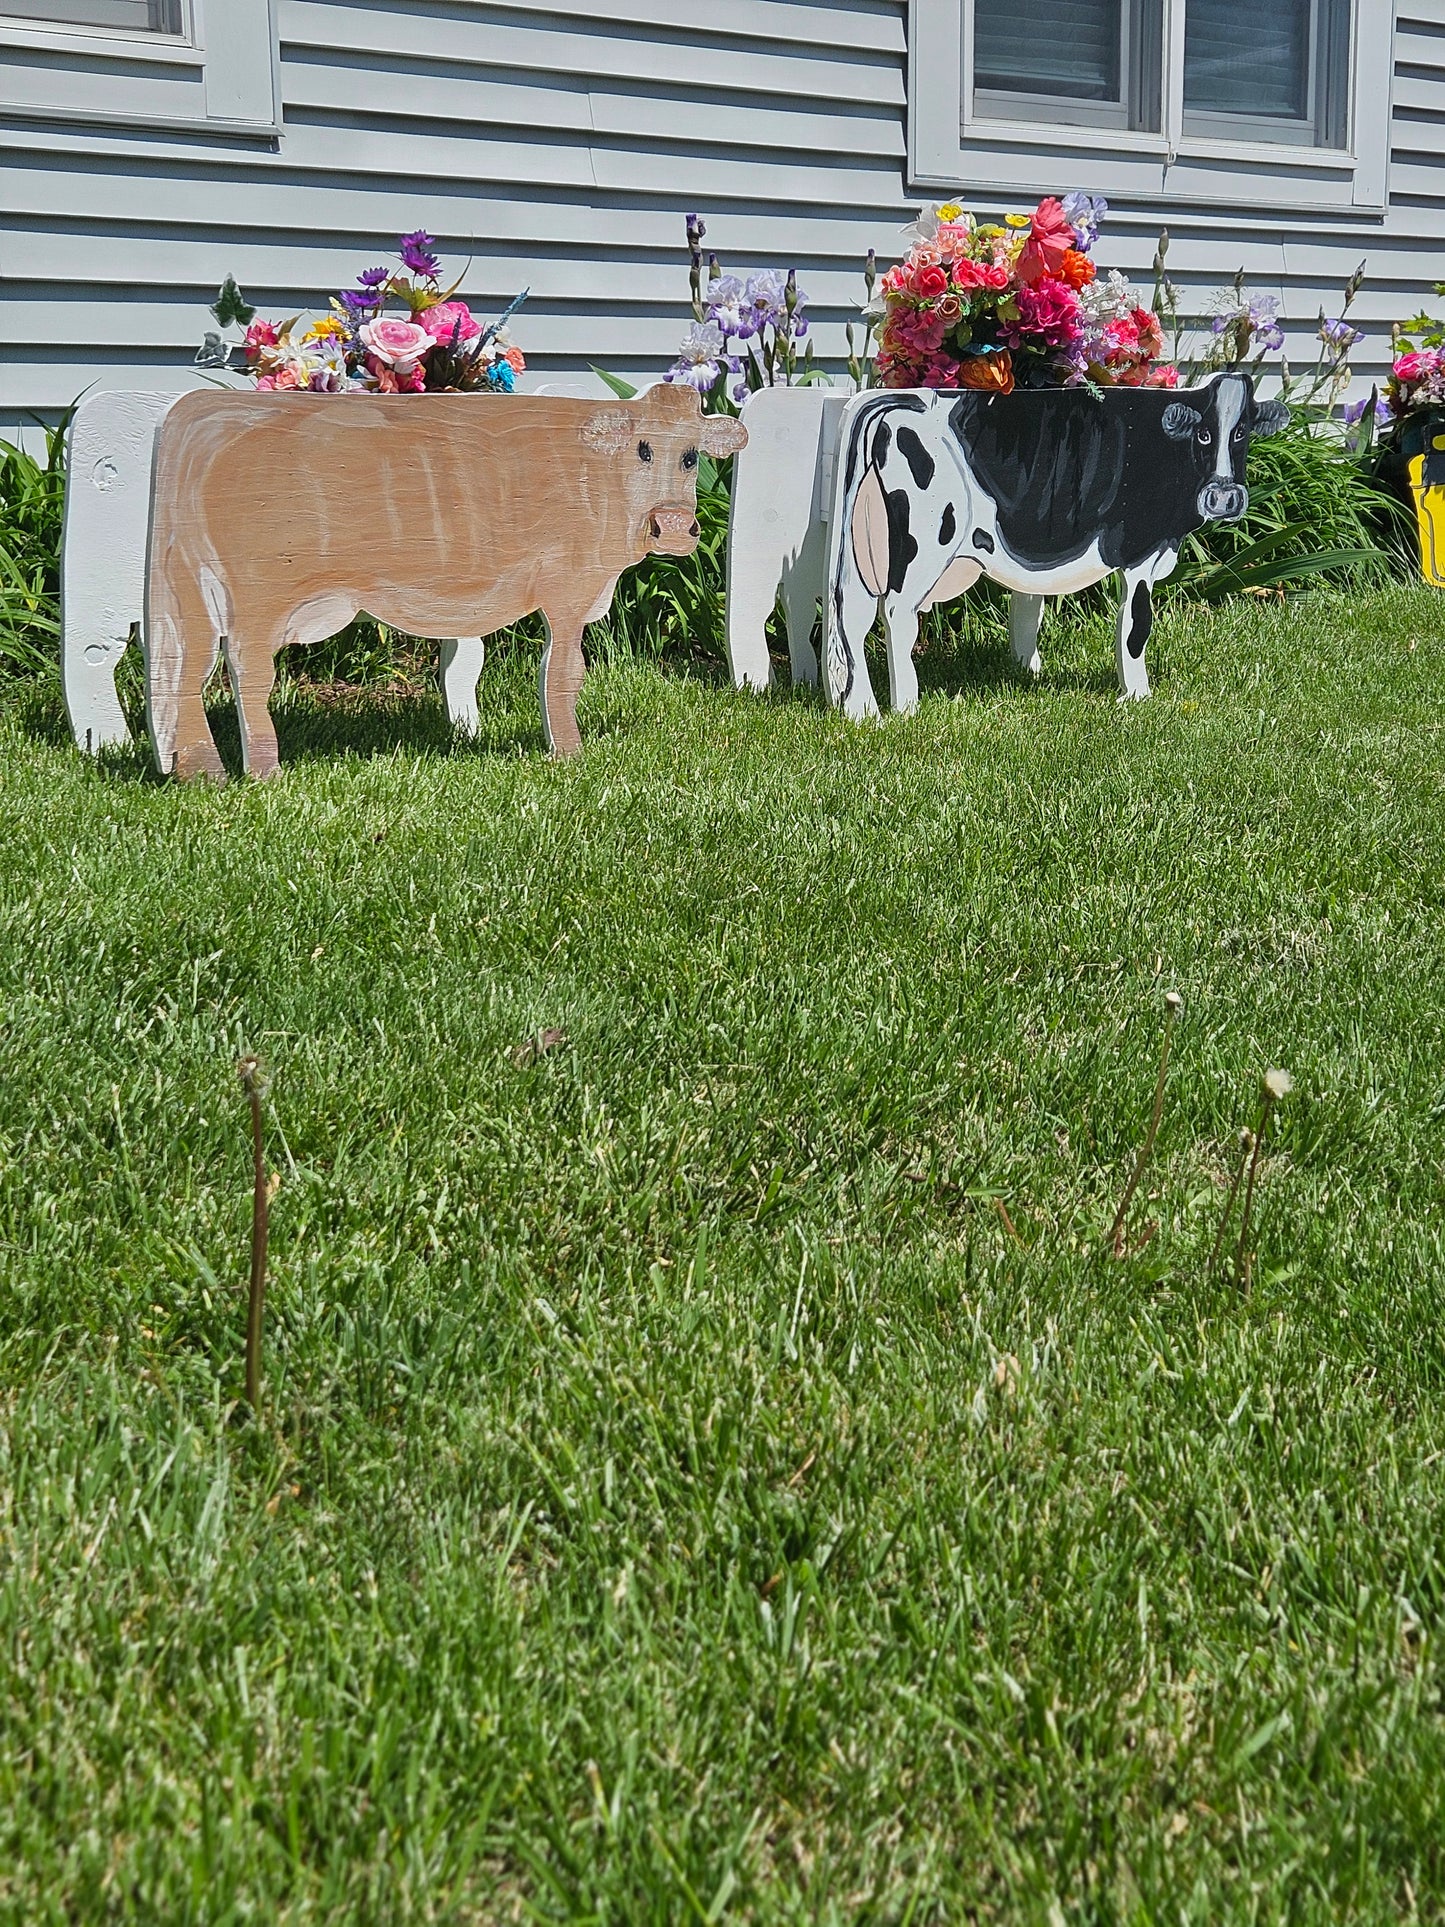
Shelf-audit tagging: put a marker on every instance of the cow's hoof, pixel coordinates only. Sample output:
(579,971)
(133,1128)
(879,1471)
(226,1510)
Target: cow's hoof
(191,763)
(1134,695)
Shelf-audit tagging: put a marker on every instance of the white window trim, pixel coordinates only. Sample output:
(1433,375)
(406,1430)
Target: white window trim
(949,147)
(226,62)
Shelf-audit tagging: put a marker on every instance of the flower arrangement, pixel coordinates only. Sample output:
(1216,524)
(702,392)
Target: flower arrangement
(746,329)
(436,344)
(1417,371)
(1015,304)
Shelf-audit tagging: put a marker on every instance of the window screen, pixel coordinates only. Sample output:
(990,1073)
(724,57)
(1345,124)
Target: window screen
(1068,48)
(139,16)
(1243,57)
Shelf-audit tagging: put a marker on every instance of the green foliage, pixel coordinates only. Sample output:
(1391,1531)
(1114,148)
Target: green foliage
(230,307)
(32,507)
(1315,513)
(681,1493)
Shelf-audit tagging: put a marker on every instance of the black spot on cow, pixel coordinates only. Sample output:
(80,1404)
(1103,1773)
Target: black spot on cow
(882,442)
(901,546)
(1066,470)
(948,527)
(920,462)
(859,445)
(1141,619)
(983,540)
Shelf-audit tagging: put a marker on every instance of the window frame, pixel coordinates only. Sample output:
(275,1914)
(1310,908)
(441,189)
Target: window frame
(950,143)
(219,76)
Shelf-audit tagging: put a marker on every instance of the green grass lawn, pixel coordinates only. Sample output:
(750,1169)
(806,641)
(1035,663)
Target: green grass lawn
(682,1495)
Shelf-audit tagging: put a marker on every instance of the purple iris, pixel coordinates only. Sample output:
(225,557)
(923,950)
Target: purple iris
(416,254)
(1084,212)
(1338,334)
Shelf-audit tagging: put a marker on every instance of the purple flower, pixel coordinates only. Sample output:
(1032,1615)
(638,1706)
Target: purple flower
(373,277)
(725,306)
(1338,334)
(416,253)
(701,357)
(1354,412)
(361,300)
(1084,212)
(766,292)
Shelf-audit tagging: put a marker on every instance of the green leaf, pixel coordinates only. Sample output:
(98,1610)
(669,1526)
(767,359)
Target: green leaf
(230,306)
(622,389)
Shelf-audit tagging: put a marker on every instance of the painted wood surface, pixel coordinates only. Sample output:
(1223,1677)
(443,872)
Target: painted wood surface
(1044,492)
(782,492)
(438,514)
(110,454)
(102,569)
(593,126)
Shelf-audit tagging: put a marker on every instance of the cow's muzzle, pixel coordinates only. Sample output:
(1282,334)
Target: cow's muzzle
(672,531)
(1223,501)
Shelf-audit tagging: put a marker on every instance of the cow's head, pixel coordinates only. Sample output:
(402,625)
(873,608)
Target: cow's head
(1218,437)
(654,443)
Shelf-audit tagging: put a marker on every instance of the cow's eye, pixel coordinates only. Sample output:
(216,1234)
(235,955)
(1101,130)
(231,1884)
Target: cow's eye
(1238,435)
(644,451)
(689,459)
(1205,438)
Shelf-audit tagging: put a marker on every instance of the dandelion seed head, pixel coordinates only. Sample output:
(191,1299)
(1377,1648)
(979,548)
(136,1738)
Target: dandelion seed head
(1173,1002)
(1278,1084)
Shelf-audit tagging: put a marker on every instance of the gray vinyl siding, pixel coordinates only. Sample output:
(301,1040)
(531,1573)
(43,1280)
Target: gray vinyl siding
(560,147)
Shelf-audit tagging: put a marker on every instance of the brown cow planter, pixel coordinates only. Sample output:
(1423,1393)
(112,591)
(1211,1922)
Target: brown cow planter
(276,518)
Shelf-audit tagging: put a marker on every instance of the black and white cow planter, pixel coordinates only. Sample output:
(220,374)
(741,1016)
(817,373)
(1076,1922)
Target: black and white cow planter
(1044,491)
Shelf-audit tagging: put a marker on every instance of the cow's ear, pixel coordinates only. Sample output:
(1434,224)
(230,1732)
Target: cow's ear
(1270,418)
(1180,420)
(722,435)
(607,431)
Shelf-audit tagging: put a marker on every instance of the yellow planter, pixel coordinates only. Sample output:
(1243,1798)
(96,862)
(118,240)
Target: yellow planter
(1430,512)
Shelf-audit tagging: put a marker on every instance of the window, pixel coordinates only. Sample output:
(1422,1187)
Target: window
(1096,60)
(133,16)
(1231,102)
(1276,71)
(198,65)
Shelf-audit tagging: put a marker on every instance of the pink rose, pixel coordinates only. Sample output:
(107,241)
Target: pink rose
(396,344)
(260,334)
(929,282)
(1413,367)
(448,318)
(996,277)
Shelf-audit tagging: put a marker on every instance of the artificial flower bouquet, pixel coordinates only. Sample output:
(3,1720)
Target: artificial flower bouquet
(437,343)
(1018,304)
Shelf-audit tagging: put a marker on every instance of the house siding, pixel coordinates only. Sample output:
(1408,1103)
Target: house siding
(559,148)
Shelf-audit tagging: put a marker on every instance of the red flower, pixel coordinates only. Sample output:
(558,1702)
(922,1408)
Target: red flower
(1050,238)
(929,282)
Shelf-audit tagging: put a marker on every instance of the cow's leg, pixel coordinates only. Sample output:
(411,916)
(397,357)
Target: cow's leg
(1024,612)
(802,586)
(182,644)
(252,666)
(1136,619)
(851,610)
(900,617)
(461,669)
(91,651)
(752,589)
(560,679)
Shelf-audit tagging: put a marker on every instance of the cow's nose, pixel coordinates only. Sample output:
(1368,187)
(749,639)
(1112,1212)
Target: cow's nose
(1223,501)
(673,531)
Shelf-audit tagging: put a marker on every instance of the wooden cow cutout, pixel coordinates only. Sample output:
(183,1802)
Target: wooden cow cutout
(109,462)
(102,559)
(1045,491)
(276,517)
(782,505)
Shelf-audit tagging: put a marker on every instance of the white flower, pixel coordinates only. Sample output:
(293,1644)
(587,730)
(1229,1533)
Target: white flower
(702,342)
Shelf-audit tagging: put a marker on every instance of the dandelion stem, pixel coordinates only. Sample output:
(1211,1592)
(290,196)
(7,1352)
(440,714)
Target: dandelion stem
(1246,1142)
(1243,1257)
(1173,1003)
(253,1083)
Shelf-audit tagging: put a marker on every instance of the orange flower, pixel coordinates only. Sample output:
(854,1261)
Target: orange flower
(1077,269)
(994,373)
